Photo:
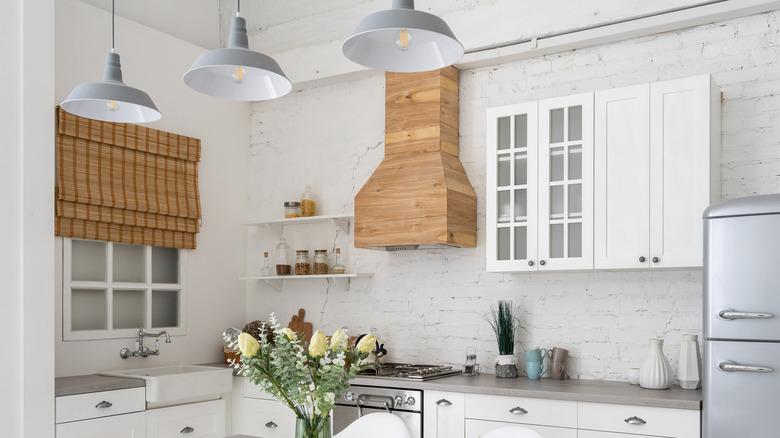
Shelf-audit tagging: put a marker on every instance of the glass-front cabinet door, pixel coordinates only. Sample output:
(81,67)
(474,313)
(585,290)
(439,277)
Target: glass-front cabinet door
(511,188)
(565,213)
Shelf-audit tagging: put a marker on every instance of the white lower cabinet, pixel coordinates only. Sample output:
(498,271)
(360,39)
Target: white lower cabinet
(597,434)
(538,411)
(117,426)
(444,414)
(480,428)
(643,420)
(197,420)
(263,419)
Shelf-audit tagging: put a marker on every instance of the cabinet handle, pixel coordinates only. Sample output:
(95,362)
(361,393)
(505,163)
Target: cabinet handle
(542,262)
(444,402)
(635,421)
(187,429)
(104,405)
(530,262)
(730,366)
(642,259)
(656,260)
(271,425)
(731,314)
(517,410)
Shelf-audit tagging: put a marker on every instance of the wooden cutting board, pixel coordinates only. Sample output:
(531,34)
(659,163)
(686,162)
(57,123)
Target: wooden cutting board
(300,326)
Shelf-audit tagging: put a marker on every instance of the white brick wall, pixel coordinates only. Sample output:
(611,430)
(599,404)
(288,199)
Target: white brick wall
(428,306)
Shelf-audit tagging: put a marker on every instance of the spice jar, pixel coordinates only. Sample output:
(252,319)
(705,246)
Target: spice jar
(292,209)
(302,262)
(338,266)
(308,206)
(283,266)
(320,261)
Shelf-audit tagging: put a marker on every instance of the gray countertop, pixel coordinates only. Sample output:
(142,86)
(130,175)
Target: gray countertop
(576,390)
(93,383)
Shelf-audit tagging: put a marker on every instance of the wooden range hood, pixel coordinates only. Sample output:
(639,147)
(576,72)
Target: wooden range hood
(419,197)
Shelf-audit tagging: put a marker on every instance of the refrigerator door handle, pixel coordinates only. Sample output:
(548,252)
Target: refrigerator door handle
(730,366)
(731,314)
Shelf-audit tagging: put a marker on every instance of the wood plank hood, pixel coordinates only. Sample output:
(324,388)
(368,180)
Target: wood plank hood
(419,196)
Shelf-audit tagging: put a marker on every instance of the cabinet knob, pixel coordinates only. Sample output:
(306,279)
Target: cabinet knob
(635,421)
(542,262)
(642,259)
(187,429)
(271,425)
(530,262)
(656,260)
(444,402)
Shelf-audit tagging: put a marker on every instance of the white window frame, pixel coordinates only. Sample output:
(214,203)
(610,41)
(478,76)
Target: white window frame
(108,285)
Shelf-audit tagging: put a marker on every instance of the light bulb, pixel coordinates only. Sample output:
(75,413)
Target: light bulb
(112,105)
(238,74)
(404,39)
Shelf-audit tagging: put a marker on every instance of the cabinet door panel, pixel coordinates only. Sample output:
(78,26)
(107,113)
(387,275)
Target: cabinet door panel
(444,415)
(511,188)
(622,178)
(565,199)
(118,426)
(480,428)
(197,420)
(679,170)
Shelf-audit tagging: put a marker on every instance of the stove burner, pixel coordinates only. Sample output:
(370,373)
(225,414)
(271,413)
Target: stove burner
(411,371)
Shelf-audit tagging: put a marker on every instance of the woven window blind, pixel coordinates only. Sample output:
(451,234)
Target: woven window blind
(126,183)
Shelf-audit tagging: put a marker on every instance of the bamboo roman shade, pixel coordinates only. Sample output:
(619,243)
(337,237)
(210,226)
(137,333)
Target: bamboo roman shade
(126,183)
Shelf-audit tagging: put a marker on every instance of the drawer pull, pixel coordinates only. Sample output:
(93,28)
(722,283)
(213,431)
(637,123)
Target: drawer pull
(635,421)
(730,366)
(271,425)
(444,402)
(517,410)
(187,429)
(104,405)
(731,314)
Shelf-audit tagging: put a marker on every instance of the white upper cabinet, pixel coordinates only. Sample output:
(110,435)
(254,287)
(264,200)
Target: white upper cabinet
(616,179)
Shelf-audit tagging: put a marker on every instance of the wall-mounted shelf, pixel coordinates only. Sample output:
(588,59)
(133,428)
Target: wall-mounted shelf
(278,279)
(341,220)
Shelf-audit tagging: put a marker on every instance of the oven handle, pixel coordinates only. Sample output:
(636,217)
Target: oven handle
(362,398)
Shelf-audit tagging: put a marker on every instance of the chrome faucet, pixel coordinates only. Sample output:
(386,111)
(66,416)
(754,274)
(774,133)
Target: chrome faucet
(140,349)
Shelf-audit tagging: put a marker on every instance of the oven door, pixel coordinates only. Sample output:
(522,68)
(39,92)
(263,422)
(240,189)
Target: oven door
(344,415)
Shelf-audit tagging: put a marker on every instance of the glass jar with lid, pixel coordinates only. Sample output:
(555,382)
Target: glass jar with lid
(283,266)
(302,262)
(338,266)
(308,205)
(292,209)
(320,261)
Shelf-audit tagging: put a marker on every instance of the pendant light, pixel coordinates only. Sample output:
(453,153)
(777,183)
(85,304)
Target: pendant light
(403,40)
(111,100)
(237,73)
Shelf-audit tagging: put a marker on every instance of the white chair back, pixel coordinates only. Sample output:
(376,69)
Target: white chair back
(377,425)
(512,432)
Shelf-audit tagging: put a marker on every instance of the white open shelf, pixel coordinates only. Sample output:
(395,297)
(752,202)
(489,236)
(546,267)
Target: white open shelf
(341,220)
(278,279)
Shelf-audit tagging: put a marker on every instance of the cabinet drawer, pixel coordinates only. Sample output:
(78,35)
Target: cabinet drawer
(678,423)
(480,428)
(99,404)
(263,419)
(197,420)
(118,426)
(522,410)
(597,434)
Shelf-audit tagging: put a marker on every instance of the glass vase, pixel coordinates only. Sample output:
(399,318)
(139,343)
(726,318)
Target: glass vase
(318,427)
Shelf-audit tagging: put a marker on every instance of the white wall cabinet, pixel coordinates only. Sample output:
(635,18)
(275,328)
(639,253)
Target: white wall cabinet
(117,426)
(616,179)
(197,420)
(444,415)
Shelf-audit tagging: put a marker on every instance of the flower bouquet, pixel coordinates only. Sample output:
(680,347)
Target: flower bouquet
(306,378)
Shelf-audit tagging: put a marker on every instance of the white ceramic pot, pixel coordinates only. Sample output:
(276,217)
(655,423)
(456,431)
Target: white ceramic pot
(689,367)
(656,372)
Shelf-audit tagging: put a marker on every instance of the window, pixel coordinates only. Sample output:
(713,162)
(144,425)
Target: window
(110,290)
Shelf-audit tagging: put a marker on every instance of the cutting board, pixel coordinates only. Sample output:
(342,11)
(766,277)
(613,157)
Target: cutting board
(300,326)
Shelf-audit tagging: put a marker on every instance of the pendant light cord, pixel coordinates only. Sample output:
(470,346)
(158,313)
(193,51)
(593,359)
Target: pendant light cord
(112,25)
(239,8)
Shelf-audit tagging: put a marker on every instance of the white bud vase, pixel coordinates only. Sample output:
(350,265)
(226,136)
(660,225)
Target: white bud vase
(656,372)
(689,368)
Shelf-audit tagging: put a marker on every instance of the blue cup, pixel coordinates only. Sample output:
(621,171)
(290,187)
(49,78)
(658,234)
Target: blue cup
(536,355)
(534,370)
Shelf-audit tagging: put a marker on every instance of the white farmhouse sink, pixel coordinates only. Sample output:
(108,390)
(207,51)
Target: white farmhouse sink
(177,384)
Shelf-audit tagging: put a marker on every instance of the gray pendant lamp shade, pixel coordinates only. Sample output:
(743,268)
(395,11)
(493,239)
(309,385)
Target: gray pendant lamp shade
(403,40)
(237,73)
(111,100)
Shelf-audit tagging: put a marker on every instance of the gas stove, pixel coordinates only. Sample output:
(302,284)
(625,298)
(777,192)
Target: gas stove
(411,371)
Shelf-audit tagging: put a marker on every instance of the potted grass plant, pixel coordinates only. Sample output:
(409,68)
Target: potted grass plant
(505,323)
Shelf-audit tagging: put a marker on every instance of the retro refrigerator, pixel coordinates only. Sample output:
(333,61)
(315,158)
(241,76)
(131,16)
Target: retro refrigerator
(741,373)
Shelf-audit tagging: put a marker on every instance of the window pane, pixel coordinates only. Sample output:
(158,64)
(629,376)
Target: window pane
(521,243)
(521,205)
(88,260)
(521,131)
(575,123)
(556,201)
(165,265)
(556,164)
(503,133)
(556,125)
(165,308)
(129,263)
(503,170)
(502,244)
(575,200)
(575,162)
(504,214)
(88,309)
(521,169)
(129,309)
(556,241)
(575,240)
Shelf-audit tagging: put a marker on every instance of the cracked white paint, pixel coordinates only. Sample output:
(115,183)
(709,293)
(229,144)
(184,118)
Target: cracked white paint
(428,306)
